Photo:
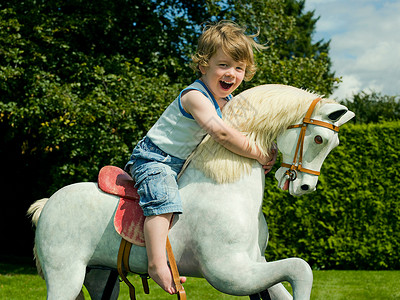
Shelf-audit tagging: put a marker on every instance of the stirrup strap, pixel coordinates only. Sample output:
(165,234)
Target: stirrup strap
(123,257)
(175,274)
(123,262)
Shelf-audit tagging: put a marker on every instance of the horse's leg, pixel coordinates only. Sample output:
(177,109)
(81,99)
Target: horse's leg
(63,272)
(62,260)
(68,234)
(102,284)
(237,275)
(276,292)
(64,282)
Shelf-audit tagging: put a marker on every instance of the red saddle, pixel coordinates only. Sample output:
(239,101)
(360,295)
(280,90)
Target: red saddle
(129,218)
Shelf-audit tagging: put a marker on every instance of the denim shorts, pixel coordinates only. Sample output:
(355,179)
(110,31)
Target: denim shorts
(155,173)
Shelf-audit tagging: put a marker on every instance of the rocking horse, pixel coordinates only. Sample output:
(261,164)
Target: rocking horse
(222,234)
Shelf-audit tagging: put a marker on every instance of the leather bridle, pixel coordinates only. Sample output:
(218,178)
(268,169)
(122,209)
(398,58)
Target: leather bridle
(297,162)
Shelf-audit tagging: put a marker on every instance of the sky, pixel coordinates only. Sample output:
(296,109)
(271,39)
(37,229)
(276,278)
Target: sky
(365,43)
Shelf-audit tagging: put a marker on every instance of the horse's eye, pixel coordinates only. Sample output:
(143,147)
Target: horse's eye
(318,139)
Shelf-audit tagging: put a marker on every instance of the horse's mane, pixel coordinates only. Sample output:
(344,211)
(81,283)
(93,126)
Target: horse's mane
(261,113)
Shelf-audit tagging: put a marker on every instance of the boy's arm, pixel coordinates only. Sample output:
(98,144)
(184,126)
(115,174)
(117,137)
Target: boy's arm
(203,111)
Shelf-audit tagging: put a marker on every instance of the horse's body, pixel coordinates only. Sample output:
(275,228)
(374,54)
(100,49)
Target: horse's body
(221,235)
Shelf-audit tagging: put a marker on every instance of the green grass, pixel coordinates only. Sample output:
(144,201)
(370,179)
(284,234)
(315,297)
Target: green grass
(18,280)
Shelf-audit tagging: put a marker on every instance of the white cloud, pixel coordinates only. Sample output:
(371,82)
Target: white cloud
(365,43)
(350,85)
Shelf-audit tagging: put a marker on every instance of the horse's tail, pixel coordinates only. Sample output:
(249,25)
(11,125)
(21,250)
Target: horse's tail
(34,211)
(37,262)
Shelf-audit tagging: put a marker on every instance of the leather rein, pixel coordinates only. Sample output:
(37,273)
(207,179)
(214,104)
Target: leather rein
(296,165)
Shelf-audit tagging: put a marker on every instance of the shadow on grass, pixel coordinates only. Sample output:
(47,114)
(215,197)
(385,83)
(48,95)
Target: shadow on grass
(13,265)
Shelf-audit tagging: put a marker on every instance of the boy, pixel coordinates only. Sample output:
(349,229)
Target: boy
(224,59)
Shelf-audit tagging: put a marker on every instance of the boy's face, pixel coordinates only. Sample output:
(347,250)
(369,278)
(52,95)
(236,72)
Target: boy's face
(223,74)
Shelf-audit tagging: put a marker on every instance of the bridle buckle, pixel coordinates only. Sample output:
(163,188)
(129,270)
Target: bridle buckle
(292,174)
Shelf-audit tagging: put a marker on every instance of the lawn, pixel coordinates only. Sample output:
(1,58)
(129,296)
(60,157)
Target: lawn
(18,280)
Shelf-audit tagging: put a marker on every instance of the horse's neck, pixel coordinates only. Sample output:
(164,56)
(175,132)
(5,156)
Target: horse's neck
(261,114)
(218,163)
(224,166)
(196,187)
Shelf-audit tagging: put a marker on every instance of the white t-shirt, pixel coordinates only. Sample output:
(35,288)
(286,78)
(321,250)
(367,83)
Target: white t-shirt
(176,132)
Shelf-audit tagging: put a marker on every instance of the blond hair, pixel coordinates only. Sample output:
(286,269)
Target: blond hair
(231,38)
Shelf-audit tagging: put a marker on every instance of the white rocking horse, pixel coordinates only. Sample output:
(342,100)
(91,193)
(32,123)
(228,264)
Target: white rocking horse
(222,234)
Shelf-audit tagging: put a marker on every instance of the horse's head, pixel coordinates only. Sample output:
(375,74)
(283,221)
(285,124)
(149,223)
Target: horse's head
(305,146)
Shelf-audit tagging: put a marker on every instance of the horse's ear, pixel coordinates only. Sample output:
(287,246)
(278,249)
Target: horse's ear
(337,113)
(346,117)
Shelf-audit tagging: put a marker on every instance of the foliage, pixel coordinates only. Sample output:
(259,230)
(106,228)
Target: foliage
(81,82)
(374,107)
(73,135)
(291,57)
(352,221)
(67,109)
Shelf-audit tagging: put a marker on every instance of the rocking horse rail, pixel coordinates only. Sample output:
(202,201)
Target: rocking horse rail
(264,295)
(112,278)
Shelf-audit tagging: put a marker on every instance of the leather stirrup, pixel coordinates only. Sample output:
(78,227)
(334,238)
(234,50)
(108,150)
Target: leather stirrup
(123,258)
(175,274)
(123,263)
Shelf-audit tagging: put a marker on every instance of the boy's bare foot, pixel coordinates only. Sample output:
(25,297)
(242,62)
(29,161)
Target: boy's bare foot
(163,277)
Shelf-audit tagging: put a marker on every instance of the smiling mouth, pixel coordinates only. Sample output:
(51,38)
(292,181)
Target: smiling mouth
(226,85)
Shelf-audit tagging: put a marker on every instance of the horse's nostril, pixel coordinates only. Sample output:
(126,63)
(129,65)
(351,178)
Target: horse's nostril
(305,187)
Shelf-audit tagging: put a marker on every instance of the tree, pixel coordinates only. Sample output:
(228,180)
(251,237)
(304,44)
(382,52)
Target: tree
(66,62)
(373,107)
(65,65)
(73,97)
(292,57)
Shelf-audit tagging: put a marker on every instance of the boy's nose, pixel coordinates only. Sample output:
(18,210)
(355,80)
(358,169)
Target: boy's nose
(229,73)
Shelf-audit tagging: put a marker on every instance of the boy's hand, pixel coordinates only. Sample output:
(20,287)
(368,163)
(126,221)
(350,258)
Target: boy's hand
(273,154)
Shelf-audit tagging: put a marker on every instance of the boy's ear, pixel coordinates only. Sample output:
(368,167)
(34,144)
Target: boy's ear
(202,69)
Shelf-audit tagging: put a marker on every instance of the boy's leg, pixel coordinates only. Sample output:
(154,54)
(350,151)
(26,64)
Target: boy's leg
(155,232)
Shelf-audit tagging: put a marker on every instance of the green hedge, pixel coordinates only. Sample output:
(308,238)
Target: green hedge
(352,221)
